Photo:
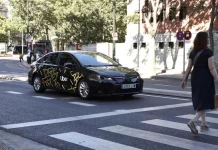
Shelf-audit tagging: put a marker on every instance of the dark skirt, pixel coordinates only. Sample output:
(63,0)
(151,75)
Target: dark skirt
(203,89)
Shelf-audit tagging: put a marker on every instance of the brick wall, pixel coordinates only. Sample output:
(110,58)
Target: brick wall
(197,19)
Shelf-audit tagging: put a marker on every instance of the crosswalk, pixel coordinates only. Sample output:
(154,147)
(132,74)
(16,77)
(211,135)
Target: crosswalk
(97,143)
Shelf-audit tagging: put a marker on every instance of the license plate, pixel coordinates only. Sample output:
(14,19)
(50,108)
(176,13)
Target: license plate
(128,86)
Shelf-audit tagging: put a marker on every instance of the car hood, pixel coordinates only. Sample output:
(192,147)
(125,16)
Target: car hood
(113,71)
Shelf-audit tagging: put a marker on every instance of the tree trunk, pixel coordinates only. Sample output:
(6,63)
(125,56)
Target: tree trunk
(213,15)
(47,36)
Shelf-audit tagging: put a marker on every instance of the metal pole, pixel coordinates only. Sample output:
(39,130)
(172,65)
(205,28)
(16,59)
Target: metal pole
(22,41)
(27,22)
(114,28)
(184,57)
(138,35)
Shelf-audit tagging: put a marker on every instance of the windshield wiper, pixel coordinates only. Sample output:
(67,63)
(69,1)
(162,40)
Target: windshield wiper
(89,65)
(112,65)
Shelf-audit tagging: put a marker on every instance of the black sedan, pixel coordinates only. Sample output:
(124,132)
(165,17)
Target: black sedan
(83,72)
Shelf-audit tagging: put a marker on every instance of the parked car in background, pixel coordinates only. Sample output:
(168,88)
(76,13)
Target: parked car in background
(85,73)
(3,48)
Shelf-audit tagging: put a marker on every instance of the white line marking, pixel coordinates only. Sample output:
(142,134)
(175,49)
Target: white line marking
(43,97)
(178,126)
(209,119)
(160,138)
(92,116)
(213,112)
(171,85)
(168,91)
(183,99)
(12,92)
(82,104)
(91,142)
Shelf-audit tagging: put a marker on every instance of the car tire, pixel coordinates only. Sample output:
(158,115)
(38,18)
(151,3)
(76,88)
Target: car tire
(37,85)
(84,89)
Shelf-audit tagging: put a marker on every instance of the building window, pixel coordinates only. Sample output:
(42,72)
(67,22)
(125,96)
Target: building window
(161,45)
(182,12)
(143,45)
(172,14)
(151,20)
(135,45)
(171,45)
(160,16)
(181,44)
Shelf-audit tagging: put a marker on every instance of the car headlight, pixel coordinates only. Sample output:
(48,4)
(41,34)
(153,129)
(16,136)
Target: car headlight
(107,78)
(104,78)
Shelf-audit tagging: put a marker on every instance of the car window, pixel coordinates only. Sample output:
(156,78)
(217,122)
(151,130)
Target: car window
(49,59)
(66,58)
(94,59)
(53,58)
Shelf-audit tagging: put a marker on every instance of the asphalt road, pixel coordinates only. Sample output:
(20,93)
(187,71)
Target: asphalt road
(66,122)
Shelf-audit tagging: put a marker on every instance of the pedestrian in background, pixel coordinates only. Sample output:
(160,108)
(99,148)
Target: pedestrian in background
(202,80)
(21,57)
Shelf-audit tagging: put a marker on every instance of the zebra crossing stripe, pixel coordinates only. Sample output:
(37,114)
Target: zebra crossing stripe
(178,126)
(209,119)
(82,104)
(213,112)
(92,116)
(91,142)
(43,97)
(13,92)
(160,138)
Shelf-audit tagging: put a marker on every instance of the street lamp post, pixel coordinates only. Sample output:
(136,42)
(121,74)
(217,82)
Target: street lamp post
(114,28)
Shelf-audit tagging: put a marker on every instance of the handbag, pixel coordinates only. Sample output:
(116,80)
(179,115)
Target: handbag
(196,57)
(216,102)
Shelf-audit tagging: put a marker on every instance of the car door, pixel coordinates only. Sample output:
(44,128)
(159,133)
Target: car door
(49,71)
(69,72)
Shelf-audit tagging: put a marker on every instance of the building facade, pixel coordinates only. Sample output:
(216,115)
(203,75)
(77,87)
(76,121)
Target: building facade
(173,16)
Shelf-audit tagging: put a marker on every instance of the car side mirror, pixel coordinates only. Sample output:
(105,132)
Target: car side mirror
(69,65)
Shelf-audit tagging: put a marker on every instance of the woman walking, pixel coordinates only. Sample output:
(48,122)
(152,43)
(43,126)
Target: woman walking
(202,80)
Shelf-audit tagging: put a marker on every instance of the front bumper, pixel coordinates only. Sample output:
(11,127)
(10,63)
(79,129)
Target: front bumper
(30,77)
(110,89)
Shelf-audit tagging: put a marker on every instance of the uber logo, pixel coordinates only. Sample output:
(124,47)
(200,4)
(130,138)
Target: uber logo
(63,78)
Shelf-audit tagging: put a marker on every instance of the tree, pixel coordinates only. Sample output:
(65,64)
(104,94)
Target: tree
(37,15)
(213,15)
(152,11)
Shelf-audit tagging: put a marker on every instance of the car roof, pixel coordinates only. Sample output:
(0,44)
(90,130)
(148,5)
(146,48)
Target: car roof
(76,51)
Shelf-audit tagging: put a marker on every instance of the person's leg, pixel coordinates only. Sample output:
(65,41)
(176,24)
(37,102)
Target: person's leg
(203,118)
(204,126)
(198,115)
(191,123)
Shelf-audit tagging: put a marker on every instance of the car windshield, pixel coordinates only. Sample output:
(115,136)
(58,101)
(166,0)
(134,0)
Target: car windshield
(95,59)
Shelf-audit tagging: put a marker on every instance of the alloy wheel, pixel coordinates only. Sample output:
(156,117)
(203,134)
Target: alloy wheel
(84,89)
(37,83)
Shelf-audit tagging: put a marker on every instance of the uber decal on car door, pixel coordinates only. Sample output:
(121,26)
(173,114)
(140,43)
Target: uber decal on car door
(69,75)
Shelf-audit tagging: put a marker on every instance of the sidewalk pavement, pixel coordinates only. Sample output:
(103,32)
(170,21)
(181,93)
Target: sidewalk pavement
(10,141)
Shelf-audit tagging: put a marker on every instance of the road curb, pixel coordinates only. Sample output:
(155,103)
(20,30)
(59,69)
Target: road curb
(166,94)
(184,94)
(170,77)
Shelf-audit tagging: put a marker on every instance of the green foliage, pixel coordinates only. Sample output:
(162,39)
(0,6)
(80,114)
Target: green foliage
(84,21)
(133,18)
